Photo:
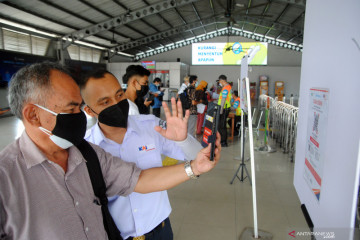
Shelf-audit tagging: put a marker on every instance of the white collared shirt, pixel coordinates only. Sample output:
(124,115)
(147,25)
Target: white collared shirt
(138,214)
(133,109)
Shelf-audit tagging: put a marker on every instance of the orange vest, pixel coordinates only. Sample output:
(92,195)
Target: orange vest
(237,106)
(225,92)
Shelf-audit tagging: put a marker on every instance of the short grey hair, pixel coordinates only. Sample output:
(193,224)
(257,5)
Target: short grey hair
(31,84)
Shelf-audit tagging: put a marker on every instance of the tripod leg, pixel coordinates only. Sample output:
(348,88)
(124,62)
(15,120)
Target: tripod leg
(247,173)
(236,173)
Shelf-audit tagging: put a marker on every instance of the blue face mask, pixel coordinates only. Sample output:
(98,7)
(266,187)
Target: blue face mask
(196,84)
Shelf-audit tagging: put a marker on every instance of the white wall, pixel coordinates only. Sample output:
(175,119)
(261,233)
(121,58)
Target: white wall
(283,65)
(331,59)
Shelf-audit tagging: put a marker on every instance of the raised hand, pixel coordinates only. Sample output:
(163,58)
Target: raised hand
(202,163)
(176,129)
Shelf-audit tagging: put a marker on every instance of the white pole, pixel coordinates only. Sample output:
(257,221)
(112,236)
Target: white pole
(242,124)
(251,141)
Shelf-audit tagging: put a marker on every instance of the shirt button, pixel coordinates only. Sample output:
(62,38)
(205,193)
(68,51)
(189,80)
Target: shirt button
(86,229)
(77,203)
(135,210)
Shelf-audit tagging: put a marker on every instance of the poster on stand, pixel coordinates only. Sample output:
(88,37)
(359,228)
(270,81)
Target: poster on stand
(316,139)
(242,84)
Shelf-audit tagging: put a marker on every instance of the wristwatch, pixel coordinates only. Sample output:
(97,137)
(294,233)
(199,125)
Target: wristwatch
(189,170)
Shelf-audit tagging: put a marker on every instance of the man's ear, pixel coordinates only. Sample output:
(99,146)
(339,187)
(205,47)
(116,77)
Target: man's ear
(132,82)
(31,114)
(89,111)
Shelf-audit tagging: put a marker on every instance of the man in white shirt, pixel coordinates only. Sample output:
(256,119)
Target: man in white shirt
(134,139)
(183,86)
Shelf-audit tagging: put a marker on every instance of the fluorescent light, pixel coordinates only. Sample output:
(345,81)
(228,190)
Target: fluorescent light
(89,44)
(279,40)
(125,54)
(292,43)
(31,29)
(272,38)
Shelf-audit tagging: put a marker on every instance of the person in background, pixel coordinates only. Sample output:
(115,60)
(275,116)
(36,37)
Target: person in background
(202,102)
(158,94)
(225,104)
(235,105)
(183,86)
(137,78)
(190,92)
(151,217)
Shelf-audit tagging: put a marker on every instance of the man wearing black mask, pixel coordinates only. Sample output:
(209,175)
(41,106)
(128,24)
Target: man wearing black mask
(136,78)
(134,139)
(45,188)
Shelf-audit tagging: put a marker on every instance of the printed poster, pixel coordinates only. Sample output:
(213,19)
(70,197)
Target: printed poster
(229,53)
(316,139)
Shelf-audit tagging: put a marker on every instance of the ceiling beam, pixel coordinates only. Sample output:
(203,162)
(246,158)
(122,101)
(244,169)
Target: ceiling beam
(301,3)
(36,14)
(184,21)
(158,14)
(128,9)
(109,16)
(37,28)
(198,16)
(264,11)
(266,23)
(164,34)
(124,19)
(277,19)
(213,11)
(298,18)
(59,7)
(200,24)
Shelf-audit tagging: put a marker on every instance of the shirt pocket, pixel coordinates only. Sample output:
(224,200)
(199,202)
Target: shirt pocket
(149,159)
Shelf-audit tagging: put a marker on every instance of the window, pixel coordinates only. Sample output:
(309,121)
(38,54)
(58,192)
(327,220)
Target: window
(39,45)
(84,54)
(16,41)
(96,54)
(22,42)
(73,51)
(1,39)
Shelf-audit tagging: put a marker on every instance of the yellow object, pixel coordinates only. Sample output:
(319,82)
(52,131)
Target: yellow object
(264,87)
(225,92)
(279,90)
(139,238)
(169,161)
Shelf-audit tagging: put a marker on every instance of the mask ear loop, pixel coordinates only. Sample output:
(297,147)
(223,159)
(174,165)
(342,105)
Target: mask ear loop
(93,110)
(45,131)
(44,108)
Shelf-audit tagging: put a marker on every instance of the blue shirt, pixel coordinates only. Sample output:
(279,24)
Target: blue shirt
(137,213)
(154,89)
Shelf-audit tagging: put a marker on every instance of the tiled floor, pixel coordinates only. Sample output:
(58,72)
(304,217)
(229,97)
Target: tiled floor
(211,209)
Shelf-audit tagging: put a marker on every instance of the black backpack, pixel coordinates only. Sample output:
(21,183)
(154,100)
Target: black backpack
(184,98)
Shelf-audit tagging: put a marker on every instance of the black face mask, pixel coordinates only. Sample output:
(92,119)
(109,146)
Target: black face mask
(143,91)
(115,115)
(69,128)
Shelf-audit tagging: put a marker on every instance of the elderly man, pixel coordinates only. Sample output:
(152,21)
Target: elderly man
(45,188)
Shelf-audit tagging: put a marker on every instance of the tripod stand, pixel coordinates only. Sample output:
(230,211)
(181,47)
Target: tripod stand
(242,165)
